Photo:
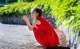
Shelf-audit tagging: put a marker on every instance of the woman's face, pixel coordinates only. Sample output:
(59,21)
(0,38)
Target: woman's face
(34,14)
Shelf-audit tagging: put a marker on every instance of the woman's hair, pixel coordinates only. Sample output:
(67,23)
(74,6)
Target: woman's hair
(38,11)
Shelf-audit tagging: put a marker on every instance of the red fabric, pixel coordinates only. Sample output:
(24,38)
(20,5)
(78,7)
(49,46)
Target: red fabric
(45,34)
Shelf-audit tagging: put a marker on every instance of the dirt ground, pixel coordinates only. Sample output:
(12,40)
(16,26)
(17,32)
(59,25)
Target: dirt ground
(16,37)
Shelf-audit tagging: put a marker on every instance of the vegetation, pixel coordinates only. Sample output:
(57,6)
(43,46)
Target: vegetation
(67,12)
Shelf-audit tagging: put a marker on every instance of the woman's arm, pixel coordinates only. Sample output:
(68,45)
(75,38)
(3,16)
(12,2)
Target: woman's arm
(28,23)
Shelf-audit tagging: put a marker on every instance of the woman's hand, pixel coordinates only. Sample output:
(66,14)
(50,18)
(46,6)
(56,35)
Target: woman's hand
(25,18)
(28,23)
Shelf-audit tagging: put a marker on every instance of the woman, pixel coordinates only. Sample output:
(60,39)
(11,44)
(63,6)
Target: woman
(43,31)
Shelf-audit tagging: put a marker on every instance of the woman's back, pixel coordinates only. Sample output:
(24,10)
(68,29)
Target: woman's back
(45,34)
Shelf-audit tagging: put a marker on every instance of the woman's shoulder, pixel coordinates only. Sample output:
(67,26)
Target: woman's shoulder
(37,22)
(42,19)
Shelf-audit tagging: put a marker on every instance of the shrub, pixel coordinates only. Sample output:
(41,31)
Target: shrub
(67,12)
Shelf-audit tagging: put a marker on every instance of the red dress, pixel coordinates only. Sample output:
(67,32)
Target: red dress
(45,34)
